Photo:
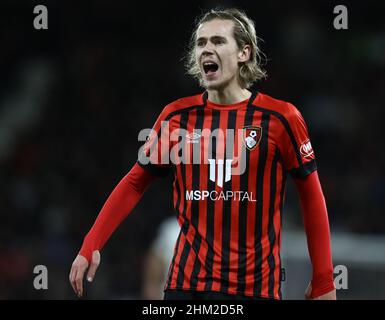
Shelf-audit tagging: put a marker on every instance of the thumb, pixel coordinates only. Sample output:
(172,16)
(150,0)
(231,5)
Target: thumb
(308,291)
(95,261)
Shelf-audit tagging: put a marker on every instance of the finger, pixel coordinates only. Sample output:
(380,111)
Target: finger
(79,281)
(94,265)
(72,279)
(308,291)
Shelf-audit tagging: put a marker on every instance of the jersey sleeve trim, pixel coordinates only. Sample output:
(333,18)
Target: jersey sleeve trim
(303,170)
(156,170)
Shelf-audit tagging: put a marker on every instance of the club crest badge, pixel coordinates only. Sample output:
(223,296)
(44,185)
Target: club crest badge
(252,136)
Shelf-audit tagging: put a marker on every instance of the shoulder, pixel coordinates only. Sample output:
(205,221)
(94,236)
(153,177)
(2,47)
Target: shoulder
(182,104)
(280,108)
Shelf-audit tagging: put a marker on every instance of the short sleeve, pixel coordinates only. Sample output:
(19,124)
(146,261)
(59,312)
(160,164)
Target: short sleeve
(154,154)
(295,145)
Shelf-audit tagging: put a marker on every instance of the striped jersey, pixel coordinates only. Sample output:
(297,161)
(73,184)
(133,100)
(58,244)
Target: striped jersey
(230,164)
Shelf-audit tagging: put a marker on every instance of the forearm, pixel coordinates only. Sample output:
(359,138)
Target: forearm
(316,223)
(119,204)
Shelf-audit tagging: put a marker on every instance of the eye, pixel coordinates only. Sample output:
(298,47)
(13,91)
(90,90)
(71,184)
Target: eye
(200,43)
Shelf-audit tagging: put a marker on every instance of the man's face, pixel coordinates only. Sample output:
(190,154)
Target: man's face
(217,53)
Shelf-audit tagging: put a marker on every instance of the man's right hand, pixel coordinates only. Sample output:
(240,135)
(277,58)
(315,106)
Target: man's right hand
(79,267)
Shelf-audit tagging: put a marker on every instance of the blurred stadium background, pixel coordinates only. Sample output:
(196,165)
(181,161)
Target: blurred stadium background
(74,97)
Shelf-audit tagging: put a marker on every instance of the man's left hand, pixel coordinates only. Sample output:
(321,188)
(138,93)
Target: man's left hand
(331,295)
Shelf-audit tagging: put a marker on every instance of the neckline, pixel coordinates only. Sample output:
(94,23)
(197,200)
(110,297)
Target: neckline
(234,106)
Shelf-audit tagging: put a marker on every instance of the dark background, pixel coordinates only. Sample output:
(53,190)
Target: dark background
(73,99)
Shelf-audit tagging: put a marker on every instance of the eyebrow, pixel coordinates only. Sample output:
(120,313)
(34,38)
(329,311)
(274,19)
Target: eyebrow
(213,38)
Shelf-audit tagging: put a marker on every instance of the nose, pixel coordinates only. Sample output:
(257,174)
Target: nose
(208,50)
(207,53)
(209,46)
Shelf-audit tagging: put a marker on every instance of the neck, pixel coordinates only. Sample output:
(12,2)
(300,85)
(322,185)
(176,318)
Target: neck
(228,95)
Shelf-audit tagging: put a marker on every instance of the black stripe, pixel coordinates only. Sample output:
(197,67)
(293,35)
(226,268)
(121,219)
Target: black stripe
(271,231)
(205,95)
(282,201)
(280,268)
(195,204)
(211,207)
(242,235)
(186,248)
(226,218)
(254,94)
(184,255)
(178,192)
(263,148)
(173,260)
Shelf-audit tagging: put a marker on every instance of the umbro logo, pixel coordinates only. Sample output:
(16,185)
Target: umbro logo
(193,137)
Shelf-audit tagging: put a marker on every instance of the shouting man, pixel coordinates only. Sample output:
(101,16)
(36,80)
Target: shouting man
(233,151)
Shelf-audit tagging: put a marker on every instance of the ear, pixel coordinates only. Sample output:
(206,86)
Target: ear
(244,54)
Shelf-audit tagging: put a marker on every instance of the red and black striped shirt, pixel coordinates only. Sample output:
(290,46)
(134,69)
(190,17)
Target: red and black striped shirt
(230,218)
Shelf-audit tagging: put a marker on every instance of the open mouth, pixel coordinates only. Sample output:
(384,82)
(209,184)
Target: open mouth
(210,67)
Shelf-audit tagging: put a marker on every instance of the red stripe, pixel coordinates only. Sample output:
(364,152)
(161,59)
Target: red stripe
(188,166)
(178,181)
(251,211)
(202,228)
(174,276)
(277,228)
(265,243)
(191,231)
(218,210)
(235,207)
